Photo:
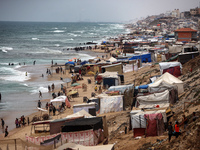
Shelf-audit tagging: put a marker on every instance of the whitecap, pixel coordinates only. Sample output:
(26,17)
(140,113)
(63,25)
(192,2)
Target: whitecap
(57,45)
(35,39)
(18,66)
(14,75)
(58,31)
(41,88)
(70,39)
(6,49)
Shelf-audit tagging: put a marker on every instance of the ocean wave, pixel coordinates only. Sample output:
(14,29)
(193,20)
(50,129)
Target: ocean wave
(82,31)
(70,39)
(57,45)
(58,31)
(18,66)
(41,88)
(75,35)
(10,74)
(35,39)
(47,50)
(6,49)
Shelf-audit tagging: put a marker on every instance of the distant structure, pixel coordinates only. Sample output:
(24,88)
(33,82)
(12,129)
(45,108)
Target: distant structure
(186,34)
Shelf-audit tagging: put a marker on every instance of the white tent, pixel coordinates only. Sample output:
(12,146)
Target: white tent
(167,78)
(78,114)
(112,59)
(59,99)
(111,104)
(109,74)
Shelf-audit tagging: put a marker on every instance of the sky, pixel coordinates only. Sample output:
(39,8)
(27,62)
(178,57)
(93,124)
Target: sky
(88,10)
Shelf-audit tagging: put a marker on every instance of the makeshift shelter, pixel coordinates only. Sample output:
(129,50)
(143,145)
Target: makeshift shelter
(84,131)
(110,78)
(113,68)
(70,63)
(112,59)
(85,106)
(80,114)
(149,123)
(166,81)
(185,57)
(120,88)
(144,57)
(61,99)
(128,68)
(156,99)
(96,100)
(111,104)
(174,68)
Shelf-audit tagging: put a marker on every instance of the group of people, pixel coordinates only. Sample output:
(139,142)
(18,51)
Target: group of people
(21,121)
(176,130)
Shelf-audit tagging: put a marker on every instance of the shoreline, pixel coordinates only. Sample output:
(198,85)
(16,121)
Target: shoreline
(48,78)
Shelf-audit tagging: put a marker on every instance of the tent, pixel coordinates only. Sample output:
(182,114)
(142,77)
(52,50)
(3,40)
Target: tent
(81,124)
(144,57)
(166,80)
(84,131)
(149,123)
(113,68)
(70,62)
(85,106)
(174,68)
(161,99)
(110,78)
(61,99)
(112,59)
(111,104)
(80,114)
(120,88)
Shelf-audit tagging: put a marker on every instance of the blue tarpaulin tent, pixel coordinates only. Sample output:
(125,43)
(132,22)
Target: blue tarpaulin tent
(144,57)
(70,62)
(84,62)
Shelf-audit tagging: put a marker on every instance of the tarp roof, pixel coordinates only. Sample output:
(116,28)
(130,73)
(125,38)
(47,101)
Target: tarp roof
(81,113)
(185,30)
(81,124)
(112,59)
(59,99)
(109,74)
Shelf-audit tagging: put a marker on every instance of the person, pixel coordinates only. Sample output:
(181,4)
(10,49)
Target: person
(34,62)
(6,131)
(177,131)
(49,88)
(170,130)
(52,87)
(0,96)
(39,104)
(54,110)
(40,94)
(52,62)
(185,121)
(16,122)
(95,88)
(47,105)
(2,123)
(26,74)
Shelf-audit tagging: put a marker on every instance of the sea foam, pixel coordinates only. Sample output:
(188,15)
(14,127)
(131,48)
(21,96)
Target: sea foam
(6,49)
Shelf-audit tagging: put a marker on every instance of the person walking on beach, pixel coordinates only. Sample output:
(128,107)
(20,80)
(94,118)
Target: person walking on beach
(2,123)
(6,131)
(39,104)
(47,105)
(40,94)
(16,122)
(52,87)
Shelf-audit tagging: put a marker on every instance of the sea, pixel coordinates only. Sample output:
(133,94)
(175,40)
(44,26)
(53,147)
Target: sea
(22,43)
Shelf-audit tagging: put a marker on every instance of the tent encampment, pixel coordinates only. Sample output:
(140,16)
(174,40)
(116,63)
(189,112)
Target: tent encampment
(166,81)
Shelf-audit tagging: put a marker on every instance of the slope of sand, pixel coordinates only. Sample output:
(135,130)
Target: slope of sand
(141,77)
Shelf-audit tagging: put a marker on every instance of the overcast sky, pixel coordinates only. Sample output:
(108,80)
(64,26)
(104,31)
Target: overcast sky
(88,10)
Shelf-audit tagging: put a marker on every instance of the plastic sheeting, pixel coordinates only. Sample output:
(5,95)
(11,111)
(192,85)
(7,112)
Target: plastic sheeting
(128,68)
(120,88)
(144,57)
(168,79)
(111,104)
(86,107)
(166,65)
(152,99)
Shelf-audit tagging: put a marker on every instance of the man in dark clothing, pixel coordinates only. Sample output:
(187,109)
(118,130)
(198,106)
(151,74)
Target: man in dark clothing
(2,123)
(170,130)
(54,110)
(6,131)
(39,104)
